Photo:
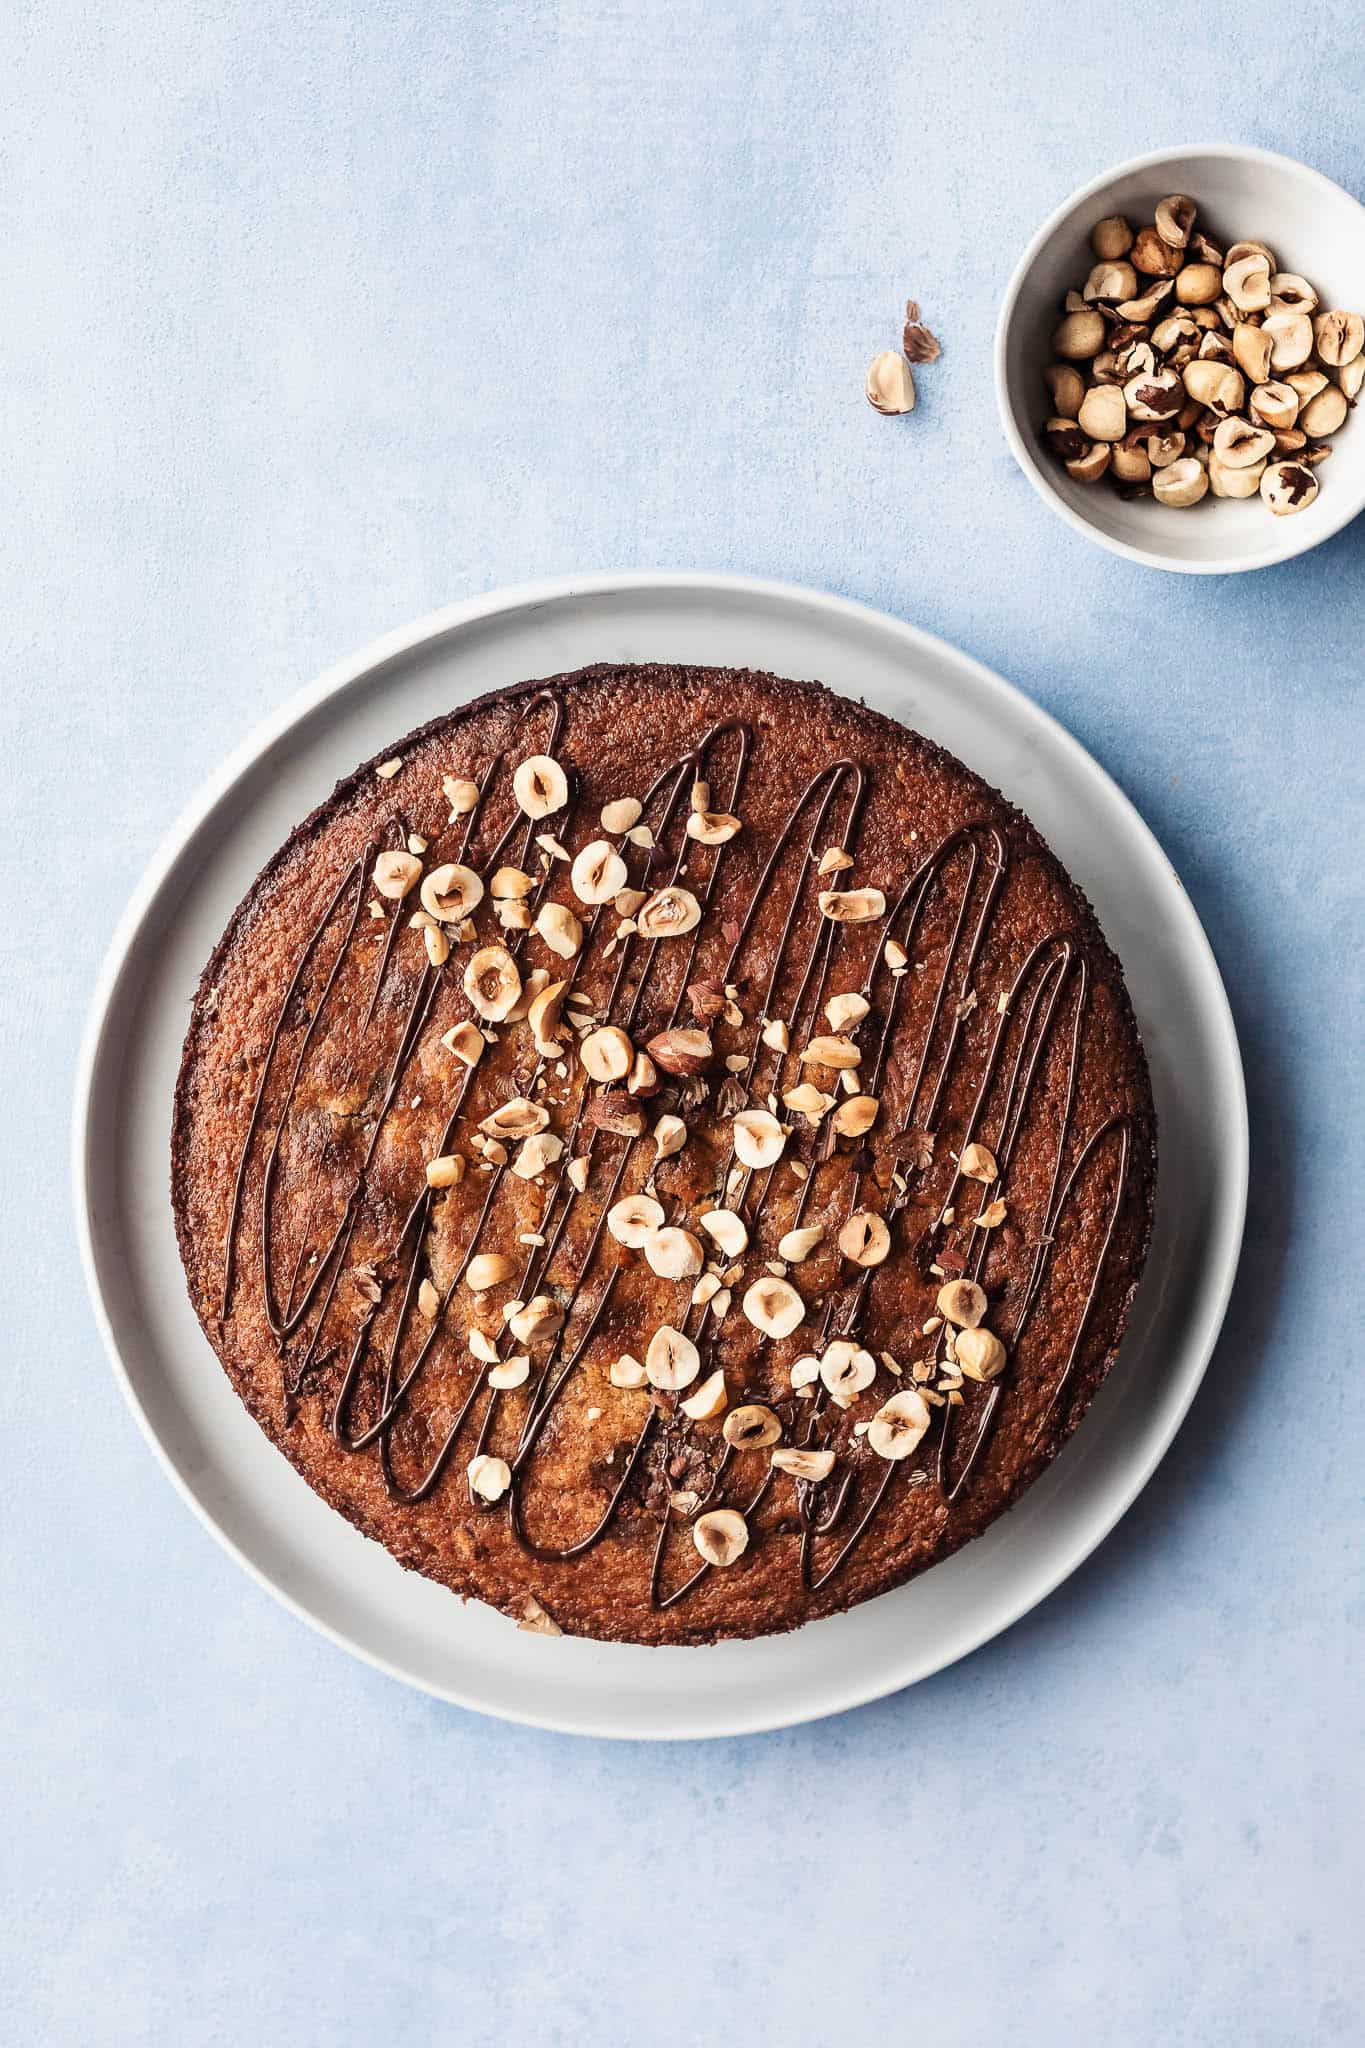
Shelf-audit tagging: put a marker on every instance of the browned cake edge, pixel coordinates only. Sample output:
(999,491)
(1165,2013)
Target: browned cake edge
(799,695)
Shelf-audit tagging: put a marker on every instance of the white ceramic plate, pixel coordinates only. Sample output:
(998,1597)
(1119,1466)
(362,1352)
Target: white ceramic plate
(257,1505)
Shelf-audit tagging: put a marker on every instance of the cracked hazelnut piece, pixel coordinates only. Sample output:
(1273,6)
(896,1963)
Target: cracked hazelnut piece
(845,1370)
(1183,483)
(835,1052)
(1288,487)
(890,384)
(1153,256)
(1079,336)
(1137,312)
(773,1306)
(634,1219)
(598,873)
(721,1536)
(855,1116)
(727,1230)
(489,1478)
(1351,377)
(437,944)
(540,786)
(643,1078)
(1239,444)
(670,1135)
(466,1041)
(451,892)
(808,1101)
(556,924)
(980,1355)
(668,913)
(753,1427)
(446,1171)
(673,1253)
(681,1050)
(865,1238)
(492,983)
(1251,248)
(537,1153)
(1175,218)
(1110,281)
(978,1162)
(510,1372)
(759,1138)
(510,884)
(1290,293)
(1067,387)
(395,873)
(544,1017)
(672,1361)
(485,1270)
(626,1371)
(962,1302)
(1324,412)
(461,794)
(1111,238)
(518,1117)
(846,1009)
(1089,467)
(1251,349)
(607,1054)
(796,1245)
(813,1465)
(620,815)
(538,1320)
(712,828)
(711,1399)
(1339,337)
(898,1425)
(1247,283)
(851,906)
(1291,336)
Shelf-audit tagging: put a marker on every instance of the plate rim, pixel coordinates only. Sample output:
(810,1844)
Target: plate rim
(403,640)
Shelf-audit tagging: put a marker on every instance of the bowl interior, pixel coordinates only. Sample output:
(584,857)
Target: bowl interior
(1314,228)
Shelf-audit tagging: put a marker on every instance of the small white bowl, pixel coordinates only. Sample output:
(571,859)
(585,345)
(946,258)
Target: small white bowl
(1313,226)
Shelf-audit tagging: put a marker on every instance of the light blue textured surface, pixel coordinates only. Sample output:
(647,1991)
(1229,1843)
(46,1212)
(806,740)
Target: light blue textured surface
(315,317)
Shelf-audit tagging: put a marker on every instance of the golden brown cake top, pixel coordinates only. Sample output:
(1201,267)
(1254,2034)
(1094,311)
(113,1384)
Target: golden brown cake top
(666,1150)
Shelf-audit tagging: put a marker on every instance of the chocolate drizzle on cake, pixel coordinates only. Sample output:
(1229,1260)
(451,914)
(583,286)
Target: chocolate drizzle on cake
(903,1175)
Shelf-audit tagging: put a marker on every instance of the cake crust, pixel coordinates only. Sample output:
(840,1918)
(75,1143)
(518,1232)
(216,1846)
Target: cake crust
(330,1277)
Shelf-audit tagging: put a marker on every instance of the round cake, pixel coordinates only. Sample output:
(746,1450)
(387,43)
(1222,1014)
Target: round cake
(665,1151)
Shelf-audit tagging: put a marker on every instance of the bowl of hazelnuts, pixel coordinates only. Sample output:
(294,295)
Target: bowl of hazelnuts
(1180,355)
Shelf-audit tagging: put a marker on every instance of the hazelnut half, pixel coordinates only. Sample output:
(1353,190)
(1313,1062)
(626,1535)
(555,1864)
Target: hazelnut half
(672,1361)
(759,1138)
(1339,338)
(668,913)
(492,983)
(598,873)
(773,1306)
(1175,218)
(721,1535)
(890,384)
(898,1425)
(845,1370)
(540,786)
(634,1219)
(1183,483)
